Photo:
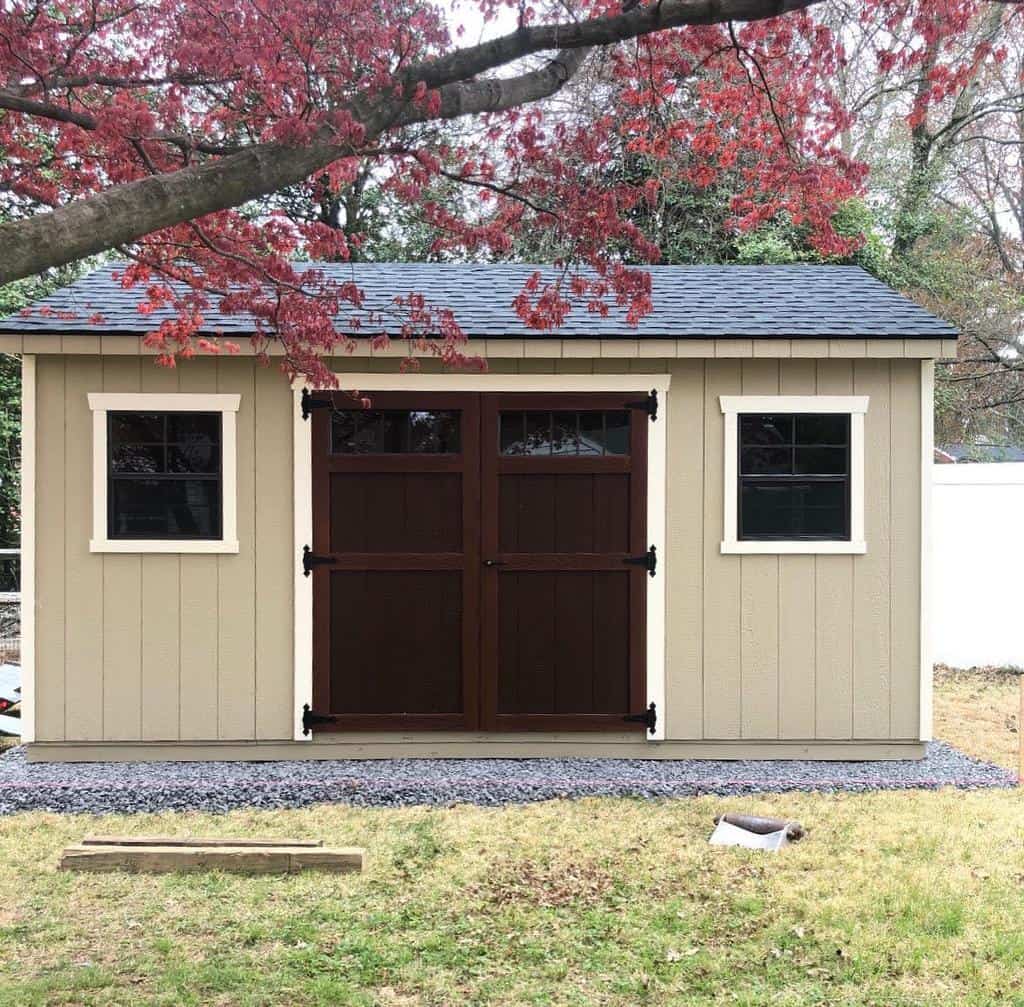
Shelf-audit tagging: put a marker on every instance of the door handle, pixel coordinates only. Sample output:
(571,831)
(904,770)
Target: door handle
(494,562)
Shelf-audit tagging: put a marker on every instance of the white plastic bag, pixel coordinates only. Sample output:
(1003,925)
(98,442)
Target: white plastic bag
(727,834)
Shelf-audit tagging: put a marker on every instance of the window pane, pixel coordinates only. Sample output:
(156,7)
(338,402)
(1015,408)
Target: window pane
(564,432)
(137,458)
(592,433)
(758,429)
(766,461)
(617,427)
(394,431)
(165,508)
(510,435)
(538,434)
(434,432)
(823,428)
(198,457)
(793,509)
(136,427)
(820,461)
(564,439)
(188,428)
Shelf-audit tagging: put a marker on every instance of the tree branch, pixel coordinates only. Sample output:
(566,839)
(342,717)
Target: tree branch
(127,212)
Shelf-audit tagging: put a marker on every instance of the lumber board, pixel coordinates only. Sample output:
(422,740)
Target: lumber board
(233,859)
(194,841)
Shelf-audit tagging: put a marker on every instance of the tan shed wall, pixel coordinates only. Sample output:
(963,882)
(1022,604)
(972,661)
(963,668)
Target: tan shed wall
(793,647)
(162,647)
(760,649)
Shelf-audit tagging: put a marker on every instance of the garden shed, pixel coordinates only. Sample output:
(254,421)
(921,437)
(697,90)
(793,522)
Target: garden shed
(705,535)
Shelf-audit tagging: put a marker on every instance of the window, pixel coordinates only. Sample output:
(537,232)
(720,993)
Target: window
(564,432)
(794,474)
(164,473)
(395,431)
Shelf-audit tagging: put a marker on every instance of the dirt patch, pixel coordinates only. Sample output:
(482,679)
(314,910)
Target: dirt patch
(547,886)
(977,711)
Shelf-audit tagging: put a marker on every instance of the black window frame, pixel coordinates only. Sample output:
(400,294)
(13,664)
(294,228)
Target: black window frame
(793,478)
(214,476)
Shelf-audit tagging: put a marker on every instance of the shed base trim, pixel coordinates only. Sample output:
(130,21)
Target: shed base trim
(374,747)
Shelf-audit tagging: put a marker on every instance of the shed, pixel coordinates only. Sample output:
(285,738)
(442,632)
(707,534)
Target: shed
(703,536)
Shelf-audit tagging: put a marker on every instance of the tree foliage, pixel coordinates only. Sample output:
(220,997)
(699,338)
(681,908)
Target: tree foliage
(151,128)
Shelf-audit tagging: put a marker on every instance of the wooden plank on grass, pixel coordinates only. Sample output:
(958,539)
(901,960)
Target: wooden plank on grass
(194,841)
(233,859)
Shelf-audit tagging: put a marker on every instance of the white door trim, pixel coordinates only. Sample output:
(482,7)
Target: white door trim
(657,461)
(28,549)
(302,454)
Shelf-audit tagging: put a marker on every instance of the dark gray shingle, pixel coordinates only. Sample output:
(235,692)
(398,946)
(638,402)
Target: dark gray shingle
(689,301)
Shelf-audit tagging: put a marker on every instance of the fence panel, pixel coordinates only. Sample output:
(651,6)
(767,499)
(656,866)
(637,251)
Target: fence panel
(977,564)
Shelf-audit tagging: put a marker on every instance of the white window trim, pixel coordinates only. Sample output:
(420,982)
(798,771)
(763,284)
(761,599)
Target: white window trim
(854,405)
(227,405)
(657,446)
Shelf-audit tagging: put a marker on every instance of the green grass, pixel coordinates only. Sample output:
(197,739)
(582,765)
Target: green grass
(892,900)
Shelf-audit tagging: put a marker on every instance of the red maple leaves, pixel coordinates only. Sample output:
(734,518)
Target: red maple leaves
(100,93)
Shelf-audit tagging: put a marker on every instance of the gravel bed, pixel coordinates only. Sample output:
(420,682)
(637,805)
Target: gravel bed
(102,788)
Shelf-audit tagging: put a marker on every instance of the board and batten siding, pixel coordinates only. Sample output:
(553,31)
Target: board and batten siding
(821,648)
(162,647)
(760,649)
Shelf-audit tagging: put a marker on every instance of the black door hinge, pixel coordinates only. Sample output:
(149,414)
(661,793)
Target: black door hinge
(648,405)
(649,718)
(311,719)
(310,402)
(310,560)
(648,560)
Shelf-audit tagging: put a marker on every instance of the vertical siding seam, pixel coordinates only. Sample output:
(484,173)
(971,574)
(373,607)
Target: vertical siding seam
(814,607)
(64,537)
(142,642)
(703,534)
(179,558)
(703,546)
(216,691)
(778,602)
(220,560)
(853,597)
(255,565)
(254,733)
(778,646)
(892,593)
(853,581)
(814,625)
(181,606)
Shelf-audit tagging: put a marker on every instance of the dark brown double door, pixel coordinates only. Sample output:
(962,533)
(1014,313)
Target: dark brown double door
(477,562)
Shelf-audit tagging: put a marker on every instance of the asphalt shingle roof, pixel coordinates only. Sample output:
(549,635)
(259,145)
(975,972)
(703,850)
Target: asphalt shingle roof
(800,301)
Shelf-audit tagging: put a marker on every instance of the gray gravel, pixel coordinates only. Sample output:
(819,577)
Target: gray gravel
(101,788)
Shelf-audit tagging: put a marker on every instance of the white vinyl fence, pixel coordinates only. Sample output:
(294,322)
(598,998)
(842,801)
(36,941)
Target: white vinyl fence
(978,564)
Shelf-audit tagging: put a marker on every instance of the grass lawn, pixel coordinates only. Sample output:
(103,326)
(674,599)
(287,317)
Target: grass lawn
(892,900)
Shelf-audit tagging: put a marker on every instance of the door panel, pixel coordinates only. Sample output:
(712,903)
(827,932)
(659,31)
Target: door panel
(401,650)
(570,513)
(406,512)
(564,508)
(559,653)
(396,510)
